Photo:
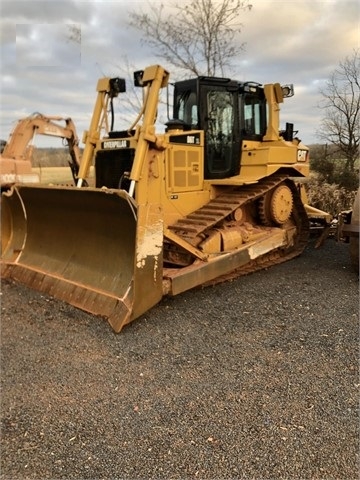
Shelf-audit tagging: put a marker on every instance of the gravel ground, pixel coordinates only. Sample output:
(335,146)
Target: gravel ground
(253,379)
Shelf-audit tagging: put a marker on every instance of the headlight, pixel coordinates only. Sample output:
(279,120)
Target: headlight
(287,90)
(302,155)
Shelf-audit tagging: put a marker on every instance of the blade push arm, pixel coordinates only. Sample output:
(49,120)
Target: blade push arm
(107,89)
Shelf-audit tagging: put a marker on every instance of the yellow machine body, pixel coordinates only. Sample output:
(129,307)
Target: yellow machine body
(162,218)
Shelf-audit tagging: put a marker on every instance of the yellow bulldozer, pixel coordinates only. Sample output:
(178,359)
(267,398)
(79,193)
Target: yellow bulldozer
(211,197)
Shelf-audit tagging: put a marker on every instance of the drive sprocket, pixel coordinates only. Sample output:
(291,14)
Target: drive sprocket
(276,206)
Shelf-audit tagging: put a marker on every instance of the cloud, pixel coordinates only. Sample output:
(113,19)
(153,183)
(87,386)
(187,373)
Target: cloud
(47,44)
(306,38)
(44,11)
(285,41)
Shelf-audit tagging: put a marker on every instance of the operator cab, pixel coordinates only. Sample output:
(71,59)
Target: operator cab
(228,112)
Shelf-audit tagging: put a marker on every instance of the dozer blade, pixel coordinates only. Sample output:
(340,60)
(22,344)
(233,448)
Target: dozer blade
(94,249)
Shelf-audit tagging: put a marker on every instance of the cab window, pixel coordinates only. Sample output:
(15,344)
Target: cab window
(254,117)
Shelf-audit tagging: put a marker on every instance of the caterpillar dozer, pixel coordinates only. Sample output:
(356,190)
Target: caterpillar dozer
(16,156)
(211,197)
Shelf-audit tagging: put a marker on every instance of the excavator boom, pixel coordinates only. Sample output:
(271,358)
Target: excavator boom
(16,157)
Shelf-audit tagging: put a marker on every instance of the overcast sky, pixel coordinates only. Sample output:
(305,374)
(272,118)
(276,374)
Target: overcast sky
(45,69)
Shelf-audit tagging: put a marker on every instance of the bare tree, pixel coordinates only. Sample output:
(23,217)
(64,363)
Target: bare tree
(341,104)
(200,36)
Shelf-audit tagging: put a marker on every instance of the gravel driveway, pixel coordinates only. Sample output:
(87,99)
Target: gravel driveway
(253,379)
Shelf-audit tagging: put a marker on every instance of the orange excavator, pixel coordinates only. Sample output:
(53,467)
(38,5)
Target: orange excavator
(16,157)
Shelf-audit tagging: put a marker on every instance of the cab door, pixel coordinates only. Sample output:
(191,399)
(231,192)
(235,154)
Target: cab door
(219,118)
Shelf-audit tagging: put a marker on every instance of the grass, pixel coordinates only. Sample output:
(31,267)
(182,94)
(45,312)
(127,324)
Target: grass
(331,198)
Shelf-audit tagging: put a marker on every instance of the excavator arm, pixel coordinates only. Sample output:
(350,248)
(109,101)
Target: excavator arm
(15,159)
